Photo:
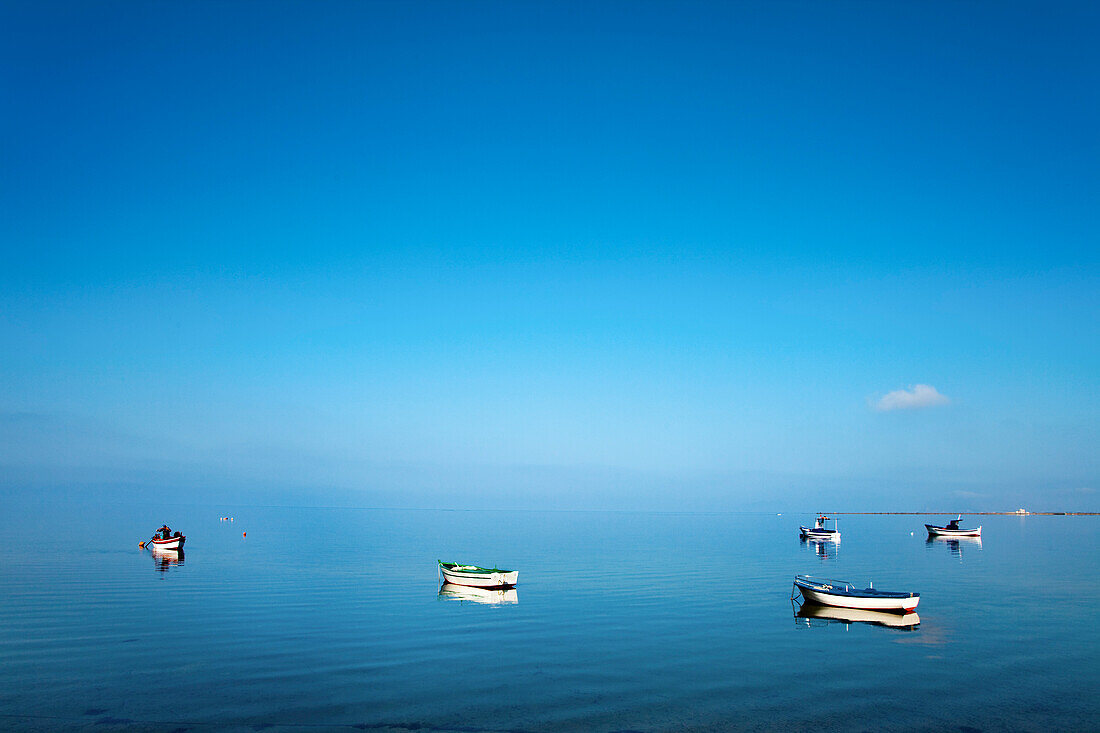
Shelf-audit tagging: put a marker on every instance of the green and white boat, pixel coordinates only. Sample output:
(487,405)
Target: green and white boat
(477,577)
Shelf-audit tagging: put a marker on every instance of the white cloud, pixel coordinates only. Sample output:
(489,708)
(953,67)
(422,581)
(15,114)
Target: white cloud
(919,395)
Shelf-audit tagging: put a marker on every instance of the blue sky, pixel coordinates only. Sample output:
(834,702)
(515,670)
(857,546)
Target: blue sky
(588,255)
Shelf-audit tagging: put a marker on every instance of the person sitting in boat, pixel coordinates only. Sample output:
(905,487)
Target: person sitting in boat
(165,532)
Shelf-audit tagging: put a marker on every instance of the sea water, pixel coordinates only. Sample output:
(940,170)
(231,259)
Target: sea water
(332,619)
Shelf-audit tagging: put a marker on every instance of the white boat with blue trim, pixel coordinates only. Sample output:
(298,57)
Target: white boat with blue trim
(819,531)
(952,529)
(842,594)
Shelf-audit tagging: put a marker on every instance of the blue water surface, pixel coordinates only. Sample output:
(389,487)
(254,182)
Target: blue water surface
(332,619)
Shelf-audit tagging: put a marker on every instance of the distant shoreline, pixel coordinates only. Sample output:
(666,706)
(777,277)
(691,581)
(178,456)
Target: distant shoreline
(1006,514)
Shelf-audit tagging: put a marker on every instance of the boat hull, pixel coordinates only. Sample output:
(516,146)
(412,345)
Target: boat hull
(474,579)
(823,594)
(945,532)
(809,533)
(172,543)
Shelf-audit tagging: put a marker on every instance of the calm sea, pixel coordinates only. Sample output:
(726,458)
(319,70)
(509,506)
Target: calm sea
(330,619)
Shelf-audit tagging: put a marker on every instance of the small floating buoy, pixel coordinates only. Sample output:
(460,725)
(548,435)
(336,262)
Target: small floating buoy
(244,534)
(141,544)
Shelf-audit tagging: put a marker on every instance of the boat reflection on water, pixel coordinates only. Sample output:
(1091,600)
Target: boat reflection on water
(811,614)
(164,559)
(825,549)
(954,544)
(452,592)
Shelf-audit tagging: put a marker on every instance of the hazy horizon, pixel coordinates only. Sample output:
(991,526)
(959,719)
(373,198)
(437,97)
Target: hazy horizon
(706,256)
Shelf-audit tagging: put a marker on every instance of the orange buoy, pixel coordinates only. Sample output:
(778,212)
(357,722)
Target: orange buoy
(244,534)
(141,544)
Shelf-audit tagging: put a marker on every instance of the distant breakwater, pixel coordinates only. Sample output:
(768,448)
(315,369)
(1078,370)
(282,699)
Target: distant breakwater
(1004,514)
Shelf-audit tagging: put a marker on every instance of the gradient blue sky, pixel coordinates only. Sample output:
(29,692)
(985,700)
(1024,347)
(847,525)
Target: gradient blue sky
(570,255)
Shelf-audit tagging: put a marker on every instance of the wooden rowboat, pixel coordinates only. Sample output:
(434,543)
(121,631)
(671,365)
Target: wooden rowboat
(844,595)
(478,577)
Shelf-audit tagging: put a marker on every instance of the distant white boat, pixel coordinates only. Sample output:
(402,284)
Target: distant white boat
(844,595)
(478,577)
(954,541)
(819,531)
(490,596)
(952,529)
